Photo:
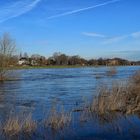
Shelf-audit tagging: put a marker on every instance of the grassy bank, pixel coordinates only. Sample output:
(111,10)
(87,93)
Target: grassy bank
(47,67)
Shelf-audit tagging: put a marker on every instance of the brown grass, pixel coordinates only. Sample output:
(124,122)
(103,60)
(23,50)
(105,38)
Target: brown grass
(29,125)
(120,97)
(58,119)
(109,99)
(12,126)
(19,124)
(24,124)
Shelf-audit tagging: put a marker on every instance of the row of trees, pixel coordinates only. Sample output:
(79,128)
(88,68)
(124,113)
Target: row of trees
(63,59)
(55,59)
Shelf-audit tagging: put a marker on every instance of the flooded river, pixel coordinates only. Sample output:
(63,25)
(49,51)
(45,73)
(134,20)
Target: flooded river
(36,89)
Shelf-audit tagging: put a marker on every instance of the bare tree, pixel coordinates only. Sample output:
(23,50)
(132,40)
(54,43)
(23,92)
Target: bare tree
(7,50)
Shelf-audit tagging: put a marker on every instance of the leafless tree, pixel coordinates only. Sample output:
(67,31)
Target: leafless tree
(7,50)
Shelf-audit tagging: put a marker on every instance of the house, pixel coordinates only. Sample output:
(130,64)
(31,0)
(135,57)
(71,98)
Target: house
(23,61)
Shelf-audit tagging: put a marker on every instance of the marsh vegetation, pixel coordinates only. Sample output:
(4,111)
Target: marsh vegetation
(121,97)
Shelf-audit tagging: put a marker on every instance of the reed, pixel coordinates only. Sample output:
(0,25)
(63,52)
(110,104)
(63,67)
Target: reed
(12,126)
(58,119)
(119,97)
(29,125)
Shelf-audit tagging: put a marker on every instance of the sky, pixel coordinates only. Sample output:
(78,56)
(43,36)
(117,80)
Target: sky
(89,28)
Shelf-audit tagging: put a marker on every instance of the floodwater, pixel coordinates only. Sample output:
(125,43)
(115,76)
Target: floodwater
(38,89)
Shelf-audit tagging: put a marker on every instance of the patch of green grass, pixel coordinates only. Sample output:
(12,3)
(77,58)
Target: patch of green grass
(46,67)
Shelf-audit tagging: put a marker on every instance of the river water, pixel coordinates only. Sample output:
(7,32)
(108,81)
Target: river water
(36,89)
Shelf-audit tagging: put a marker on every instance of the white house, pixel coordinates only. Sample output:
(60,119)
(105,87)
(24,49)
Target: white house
(23,61)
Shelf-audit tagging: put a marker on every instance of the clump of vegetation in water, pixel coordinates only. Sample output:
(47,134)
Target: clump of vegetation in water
(20,124)
(120,97)
(57,119)
(12,126)
(17,124)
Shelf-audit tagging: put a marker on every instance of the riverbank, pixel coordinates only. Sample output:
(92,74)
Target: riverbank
(46,67)
(65,66)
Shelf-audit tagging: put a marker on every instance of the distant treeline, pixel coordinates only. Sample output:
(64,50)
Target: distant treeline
(9,58)
(63,59)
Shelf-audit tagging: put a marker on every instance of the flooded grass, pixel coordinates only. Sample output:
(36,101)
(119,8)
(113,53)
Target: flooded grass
(109,99)
(59,123)
(15,125)
(120,97)
(20,125)
(58,119)
(29,125)
(12,126)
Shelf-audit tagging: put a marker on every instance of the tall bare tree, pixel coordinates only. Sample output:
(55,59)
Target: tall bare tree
(7,50)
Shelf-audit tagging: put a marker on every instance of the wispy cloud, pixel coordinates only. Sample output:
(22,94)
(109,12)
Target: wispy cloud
(115,39)
(136,34)
(108,39)
(16,9)
(82,9)
(94,34)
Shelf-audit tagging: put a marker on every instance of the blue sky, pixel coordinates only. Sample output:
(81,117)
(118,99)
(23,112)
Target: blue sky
(89,28)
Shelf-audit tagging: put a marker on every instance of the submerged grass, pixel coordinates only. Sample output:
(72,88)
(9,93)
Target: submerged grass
(119,97)
(29,125)
(21,124)
(18,124)
(58,120)
(12,126)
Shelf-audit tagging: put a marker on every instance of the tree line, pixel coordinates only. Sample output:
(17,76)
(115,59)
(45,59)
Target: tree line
(62,59)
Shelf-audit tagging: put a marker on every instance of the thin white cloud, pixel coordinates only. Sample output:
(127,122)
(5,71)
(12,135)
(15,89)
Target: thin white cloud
(133,35)
(91,34)
(16,9)
(109,40)
(82,9)
(136,34)
(114,39)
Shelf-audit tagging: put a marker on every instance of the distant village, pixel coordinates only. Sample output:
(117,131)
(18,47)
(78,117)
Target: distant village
(9,59)
(63,59)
